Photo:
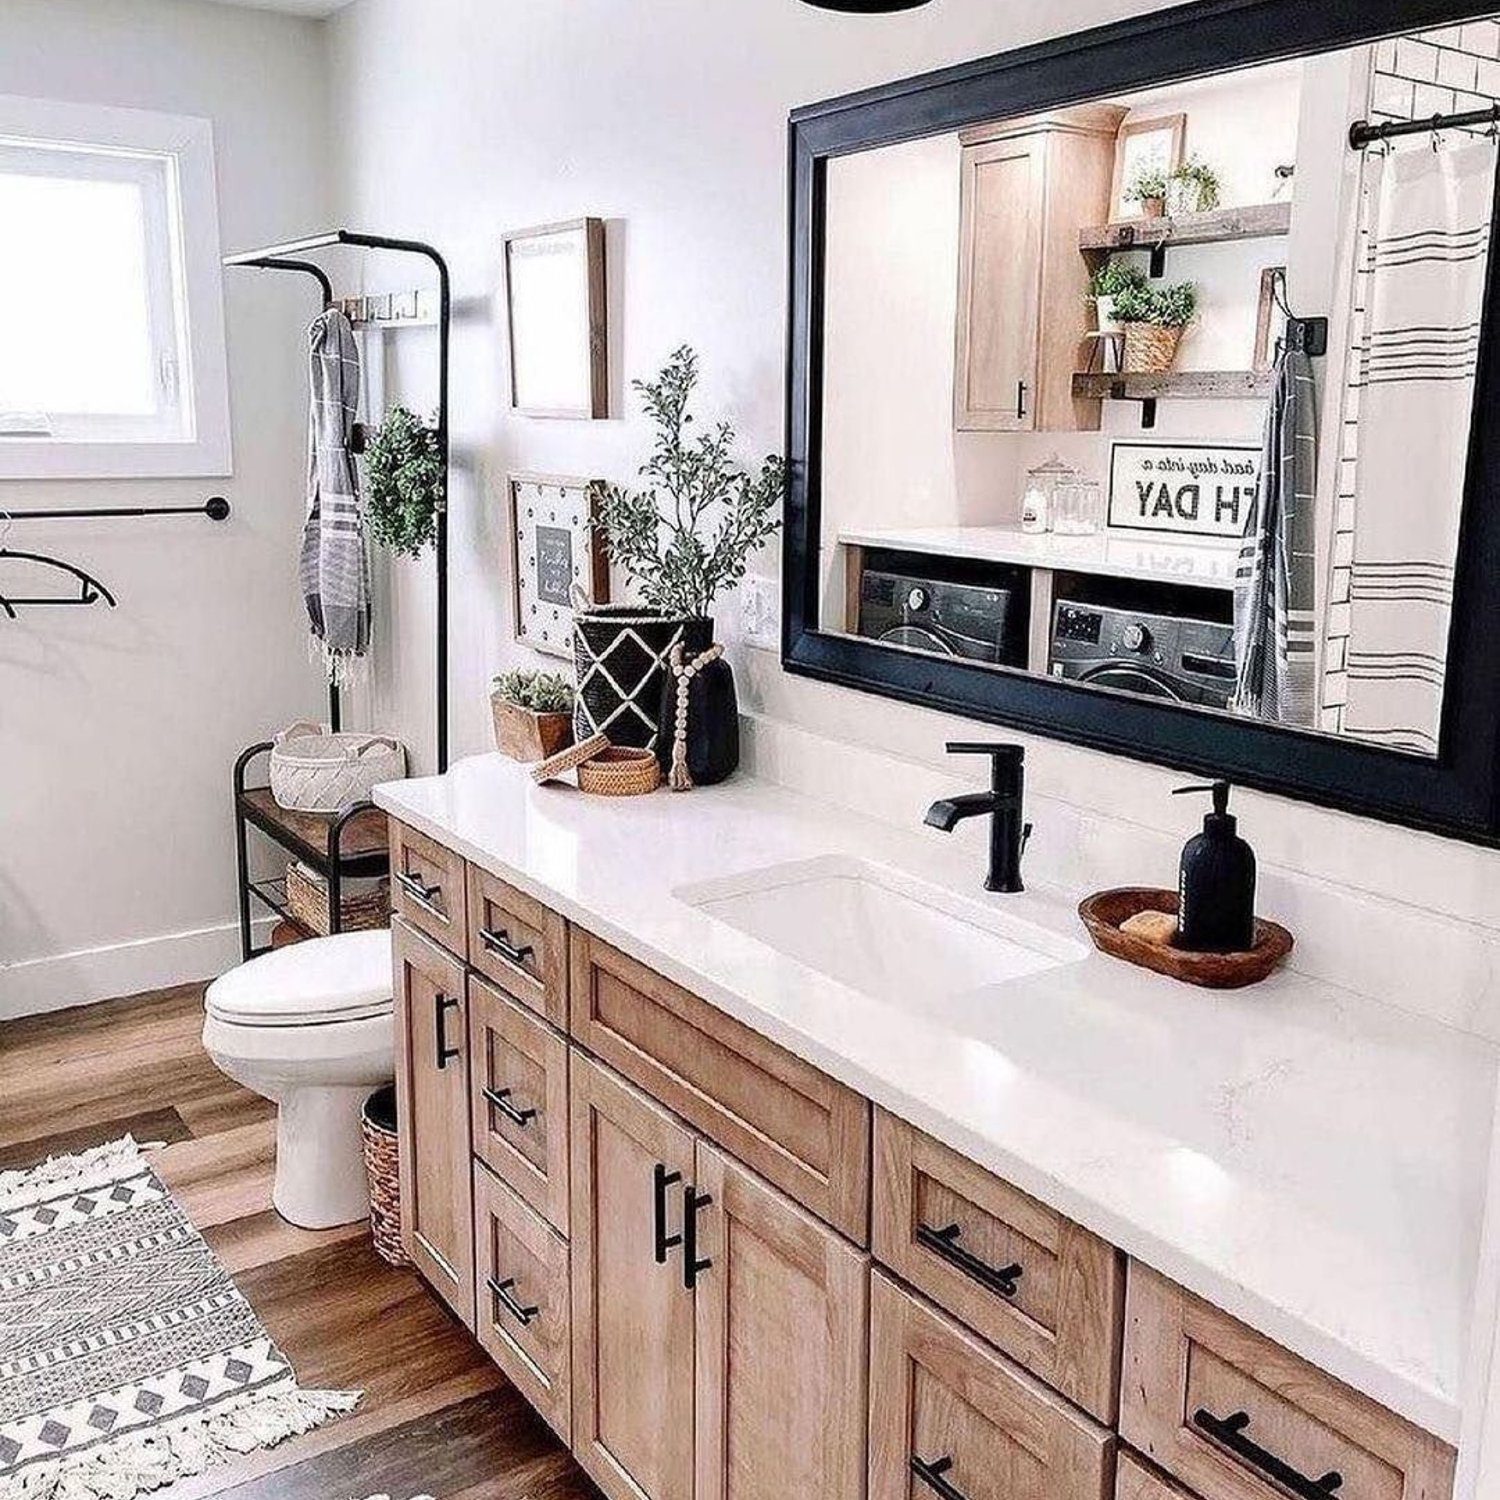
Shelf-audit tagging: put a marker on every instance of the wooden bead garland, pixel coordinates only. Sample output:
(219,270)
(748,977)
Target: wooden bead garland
(680,779)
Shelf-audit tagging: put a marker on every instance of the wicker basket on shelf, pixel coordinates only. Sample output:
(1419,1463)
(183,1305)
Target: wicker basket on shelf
(378,1128)
(1150,348)
(307,900)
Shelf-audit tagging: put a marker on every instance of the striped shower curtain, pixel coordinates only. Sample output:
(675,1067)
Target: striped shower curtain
(1426,260)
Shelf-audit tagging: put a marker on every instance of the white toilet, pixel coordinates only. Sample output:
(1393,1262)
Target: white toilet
(309,1027)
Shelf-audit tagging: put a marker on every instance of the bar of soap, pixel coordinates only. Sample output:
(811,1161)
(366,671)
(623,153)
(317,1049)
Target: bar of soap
(1159,927)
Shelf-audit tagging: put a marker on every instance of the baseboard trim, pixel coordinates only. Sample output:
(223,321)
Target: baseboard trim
(90,975)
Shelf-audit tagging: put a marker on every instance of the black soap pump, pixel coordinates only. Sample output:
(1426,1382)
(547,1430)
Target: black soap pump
(1216,884)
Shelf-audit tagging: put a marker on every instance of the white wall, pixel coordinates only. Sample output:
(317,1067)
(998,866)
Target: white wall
(118,728)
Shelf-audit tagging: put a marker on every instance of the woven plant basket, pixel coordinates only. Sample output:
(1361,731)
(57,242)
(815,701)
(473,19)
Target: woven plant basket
(620,772)
(1150,348)
(378,1129)
(307,900)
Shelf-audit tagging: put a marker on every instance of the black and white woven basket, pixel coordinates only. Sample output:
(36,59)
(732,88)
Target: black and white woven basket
(619,652)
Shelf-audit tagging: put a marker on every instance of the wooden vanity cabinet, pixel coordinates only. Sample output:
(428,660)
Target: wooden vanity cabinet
(432,1106)
(1026,189)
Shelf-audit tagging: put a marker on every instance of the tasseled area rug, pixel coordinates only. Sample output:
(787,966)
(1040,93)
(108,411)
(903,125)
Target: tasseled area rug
(128,1357)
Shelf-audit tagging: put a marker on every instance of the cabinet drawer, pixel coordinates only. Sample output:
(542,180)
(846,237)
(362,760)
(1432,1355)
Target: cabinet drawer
(521,1298)
(518,1072)
(520,944)
(427,886)
(1134,1481)
(1046,1291)
(1237,1417)
(786,1120)
(949,1416)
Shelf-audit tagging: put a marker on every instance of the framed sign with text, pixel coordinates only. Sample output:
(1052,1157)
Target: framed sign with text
(559,558)
(1188,489)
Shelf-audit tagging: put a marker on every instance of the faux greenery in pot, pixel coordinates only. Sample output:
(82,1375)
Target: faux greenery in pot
(403,483)
(1108,282)
(1194,188)
(687,534)
(533,714)
(1149,188)
(1154,320)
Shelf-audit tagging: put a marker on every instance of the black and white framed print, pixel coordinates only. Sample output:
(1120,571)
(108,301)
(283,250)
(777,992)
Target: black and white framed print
(559,557)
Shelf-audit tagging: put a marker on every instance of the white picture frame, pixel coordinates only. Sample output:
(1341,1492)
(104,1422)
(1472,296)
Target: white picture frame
(557,320)
(557,557)
(1201,490)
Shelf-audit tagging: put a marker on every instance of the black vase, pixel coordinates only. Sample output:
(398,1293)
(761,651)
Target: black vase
(619,652)
(713,721)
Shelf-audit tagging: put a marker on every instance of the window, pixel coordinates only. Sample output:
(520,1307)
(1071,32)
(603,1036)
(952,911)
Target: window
(112,341)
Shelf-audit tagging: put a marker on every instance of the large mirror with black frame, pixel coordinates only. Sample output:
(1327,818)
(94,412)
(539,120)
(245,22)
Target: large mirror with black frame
(1148,410)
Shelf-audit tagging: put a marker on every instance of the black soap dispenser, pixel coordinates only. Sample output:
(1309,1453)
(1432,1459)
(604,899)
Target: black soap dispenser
(1216,884)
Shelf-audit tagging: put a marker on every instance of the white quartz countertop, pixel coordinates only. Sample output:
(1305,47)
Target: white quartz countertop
(1114,554)
(1311,1161)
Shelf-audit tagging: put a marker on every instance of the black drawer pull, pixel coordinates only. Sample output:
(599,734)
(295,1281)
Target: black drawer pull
(661,1180)
(501,1292)
(944,1243)
(500,1099)
(445,1054)
(932,1476)
(692,1267)
(1229,1432)
(424,895)
(498,941)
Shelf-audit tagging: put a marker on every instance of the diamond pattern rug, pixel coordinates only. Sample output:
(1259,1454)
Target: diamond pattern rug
(128,1357)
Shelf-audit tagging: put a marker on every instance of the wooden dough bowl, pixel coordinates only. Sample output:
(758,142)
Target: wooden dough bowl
(1103,913)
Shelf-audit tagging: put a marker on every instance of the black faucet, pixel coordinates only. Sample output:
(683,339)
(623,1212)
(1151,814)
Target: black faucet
(1008,834)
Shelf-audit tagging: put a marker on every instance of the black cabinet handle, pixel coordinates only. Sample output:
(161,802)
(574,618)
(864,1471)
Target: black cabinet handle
(1229,1432)
(944,1242)
(501,1292)
(424,895)
(442,1005)
(498,941)
(500,1099)
(692,1267)
(1020,400)
(932,1476)
(661,1180)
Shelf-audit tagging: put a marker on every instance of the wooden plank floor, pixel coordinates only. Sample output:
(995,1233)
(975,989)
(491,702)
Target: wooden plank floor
(436,1417)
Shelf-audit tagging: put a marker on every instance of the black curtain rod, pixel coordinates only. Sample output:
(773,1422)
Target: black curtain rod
(216,508)
(1362,133)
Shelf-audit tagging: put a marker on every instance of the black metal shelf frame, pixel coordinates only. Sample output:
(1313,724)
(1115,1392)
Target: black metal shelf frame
(330,861)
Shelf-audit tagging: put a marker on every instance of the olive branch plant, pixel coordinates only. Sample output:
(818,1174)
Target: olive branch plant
(689,532)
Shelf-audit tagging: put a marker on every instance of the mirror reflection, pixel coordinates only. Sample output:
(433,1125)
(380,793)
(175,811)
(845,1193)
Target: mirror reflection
(1170,393)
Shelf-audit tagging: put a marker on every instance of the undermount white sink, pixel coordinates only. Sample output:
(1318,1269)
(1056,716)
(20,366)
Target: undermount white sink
(878,931)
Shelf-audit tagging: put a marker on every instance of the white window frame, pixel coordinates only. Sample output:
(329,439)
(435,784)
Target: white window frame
(187,142)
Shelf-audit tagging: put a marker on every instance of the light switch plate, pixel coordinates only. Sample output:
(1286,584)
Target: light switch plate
(760,611)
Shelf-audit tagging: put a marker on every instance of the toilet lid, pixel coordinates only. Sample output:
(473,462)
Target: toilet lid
(342,978)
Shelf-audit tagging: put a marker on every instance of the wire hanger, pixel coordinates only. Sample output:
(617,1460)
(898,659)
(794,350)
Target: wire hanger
(90,589)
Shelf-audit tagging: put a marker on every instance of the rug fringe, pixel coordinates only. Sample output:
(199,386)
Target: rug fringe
(138,1463)
(57,1173)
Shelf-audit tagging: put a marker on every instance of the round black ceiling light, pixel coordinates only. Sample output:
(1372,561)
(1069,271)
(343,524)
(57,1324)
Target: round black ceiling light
(865,7)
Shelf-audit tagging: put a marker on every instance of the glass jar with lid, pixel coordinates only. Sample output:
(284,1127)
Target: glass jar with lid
(1043,482)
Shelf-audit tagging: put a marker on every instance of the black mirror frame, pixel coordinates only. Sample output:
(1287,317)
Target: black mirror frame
(1457,793)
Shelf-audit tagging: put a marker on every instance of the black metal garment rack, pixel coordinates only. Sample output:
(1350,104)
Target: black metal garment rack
(352,843)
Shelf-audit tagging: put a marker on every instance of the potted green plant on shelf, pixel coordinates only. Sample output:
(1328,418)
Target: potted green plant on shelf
(1149,188)
(1154,321)
(403,483)
(682,538)
(533,714)
(1194,188)
(1112,278)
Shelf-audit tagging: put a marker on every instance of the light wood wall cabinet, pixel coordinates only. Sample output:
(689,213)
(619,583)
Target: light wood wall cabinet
(656,1221)
(432,1103)
(950,1416)
(1037,1285)
(1027,188)
(790,1122)
(1236,1417)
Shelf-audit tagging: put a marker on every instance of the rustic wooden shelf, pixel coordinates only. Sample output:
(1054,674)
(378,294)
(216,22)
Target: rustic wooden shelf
(362,850)
(1190,385)
(1254,222)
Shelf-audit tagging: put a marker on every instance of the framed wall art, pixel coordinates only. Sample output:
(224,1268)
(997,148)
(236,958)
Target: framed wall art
(555,305)
(1139,146)
(1200,490)
(558,556)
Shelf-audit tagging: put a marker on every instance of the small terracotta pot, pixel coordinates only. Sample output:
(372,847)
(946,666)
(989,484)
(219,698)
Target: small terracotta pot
(1154,208)
(527,736)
